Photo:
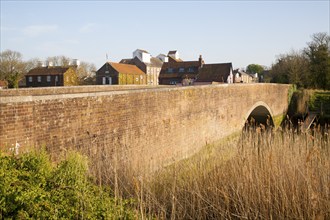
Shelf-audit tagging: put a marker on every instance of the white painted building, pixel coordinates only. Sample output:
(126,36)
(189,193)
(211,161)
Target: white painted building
(174,54)
(163,58)
(143,55)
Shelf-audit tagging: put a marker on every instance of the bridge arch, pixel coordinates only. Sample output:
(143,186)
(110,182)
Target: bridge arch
(261,113)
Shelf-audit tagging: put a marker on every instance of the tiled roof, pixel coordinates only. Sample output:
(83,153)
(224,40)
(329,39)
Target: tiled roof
(175,66)
(184,64)
(144,51)
(49,70)
(126,68)
(172,60)
(155,62)
(126,61)
(214,72)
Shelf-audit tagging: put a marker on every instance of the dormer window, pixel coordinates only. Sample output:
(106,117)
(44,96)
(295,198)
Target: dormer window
(170,70)
(181,70)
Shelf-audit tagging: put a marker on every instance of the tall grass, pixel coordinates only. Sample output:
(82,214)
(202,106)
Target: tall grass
(261,175)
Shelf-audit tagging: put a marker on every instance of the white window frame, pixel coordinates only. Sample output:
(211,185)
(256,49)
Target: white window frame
(30,79)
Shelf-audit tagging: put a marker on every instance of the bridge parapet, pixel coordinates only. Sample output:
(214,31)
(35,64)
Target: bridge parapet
(145,127)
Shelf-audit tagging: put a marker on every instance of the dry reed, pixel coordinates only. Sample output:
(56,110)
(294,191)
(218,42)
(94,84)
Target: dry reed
(262,174)
(267,175)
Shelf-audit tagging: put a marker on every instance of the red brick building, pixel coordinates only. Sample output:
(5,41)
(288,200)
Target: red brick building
(175,70)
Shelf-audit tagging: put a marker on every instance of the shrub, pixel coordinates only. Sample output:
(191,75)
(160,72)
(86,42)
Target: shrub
(31,187)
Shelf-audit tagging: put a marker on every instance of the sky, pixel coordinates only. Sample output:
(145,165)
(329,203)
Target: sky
(241,32)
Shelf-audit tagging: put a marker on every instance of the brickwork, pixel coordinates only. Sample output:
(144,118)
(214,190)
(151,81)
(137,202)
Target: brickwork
(142,127)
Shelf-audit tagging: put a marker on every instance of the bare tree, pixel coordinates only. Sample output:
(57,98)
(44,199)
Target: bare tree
(12,67)
(86,73)
(59,60)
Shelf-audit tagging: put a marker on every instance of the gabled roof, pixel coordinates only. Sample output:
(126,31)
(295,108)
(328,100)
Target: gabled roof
(48,70)
(126,68)
(176,69)
(143,51)
(171,59)
(217,72)
(184,64)
(172,52)
(126,61)
(154,62)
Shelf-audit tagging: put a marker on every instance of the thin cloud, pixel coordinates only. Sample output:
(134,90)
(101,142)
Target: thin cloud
(87,28)
(2,28)
(37,30)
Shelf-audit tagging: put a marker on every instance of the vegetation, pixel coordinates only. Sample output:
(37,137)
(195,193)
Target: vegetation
(254,68)
(309,100)
(31,187)
(308,68)
(262,174)
(12,67)
(281,175)
(85,70)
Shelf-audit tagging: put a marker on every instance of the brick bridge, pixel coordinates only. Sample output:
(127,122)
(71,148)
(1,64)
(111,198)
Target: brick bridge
(139,126)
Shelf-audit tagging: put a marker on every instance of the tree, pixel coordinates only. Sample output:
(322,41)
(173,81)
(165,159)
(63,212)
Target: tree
(318,53)
(85,70)
(12,67)
(59,60)
(291,68)
(86,73)
(254,68)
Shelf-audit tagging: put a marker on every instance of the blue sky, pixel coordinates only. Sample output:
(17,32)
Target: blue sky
(241,32)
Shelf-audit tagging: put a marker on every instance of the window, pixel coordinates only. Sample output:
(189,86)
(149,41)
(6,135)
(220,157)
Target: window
(181,70)
(48,78)
(39,78)
(170,70)
(107,71)
(56,78)
(191,69)
(30,79)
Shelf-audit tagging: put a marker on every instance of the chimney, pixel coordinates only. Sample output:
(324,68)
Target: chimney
(201,61)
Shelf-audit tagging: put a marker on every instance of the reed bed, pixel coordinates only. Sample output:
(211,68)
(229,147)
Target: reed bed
(262,174)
